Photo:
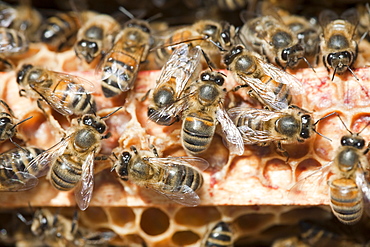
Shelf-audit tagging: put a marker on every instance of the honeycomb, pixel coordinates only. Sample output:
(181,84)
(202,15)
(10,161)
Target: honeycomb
(250,192)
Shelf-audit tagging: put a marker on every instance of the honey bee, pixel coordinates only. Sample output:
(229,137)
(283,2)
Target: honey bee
(349,189)
(95,37)
(177,73)
(121,65)
(307,32)
(262,127)
(71,161)
(271,86)
(269,36)
(204,110)
(225,5)
(12,164)
(57,230)
(220,236)
(338,45)
(59,32)
(65,93)
(177,178)
(211,36)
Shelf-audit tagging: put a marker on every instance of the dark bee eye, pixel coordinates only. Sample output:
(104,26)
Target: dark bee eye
(205,77)
(88,120)
(100,128)
(150,111)
(360,144)
(330,58)
(44,223)
(126,157)
(219,80)
(225,37)
(4,120)
(284,54)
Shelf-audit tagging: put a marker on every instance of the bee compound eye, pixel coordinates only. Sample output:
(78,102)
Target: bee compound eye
(100,128)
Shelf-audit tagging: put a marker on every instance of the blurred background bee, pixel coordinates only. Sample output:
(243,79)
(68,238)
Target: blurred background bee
(166,99)
(221,235)
(270,37)
(12,165)
(95,37)
(59,32)
(177,178)
(22,18)
(71,161)
(204,110)
(211,36)
(65,93)
(54,229)
(120,66)
(349,188)
(338,40)
(271,86)
(262,127)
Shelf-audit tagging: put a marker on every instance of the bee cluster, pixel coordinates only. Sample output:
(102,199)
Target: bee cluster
(143,114)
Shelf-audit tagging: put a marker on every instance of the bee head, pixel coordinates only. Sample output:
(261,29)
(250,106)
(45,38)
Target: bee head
(353,140)
(124,161)
(23,72)
(143,25)
(232,54)
(95,122)
(290,56)
(306,126)
(87,49)
(340,60)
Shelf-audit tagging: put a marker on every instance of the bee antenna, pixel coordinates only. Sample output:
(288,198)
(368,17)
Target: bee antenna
(92,107)
(335,70)
(350,70)
(110,114)
(331,114)
(368,123)
(126,12)
(308,63)
(154,17)
(17,145)
(345,126)
(24,120)
(208,60)
(217,45)
(327,138)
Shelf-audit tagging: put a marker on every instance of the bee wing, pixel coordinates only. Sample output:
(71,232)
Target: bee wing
(85,186)
(351,15)
(309,184)
(199,163)
(39,165)
(19,182)
(234,140)
(185,195)
(363,184)
(75,85)
(327,16)
(181,65)
(279,75)
(265,92)
(251,136)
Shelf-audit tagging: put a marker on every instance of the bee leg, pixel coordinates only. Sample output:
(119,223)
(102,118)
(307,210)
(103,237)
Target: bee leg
(7,65)
(22,93)
(21,217)
(54,123)
(7,107)
(74,222)
(105,162)
(367,149)
(154,150)
(281,150)
(106,136)
(145,96)
(239,87)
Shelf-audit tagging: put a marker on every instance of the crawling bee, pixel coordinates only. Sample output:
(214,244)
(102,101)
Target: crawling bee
(12,164)
(57,230)
(96,37)
(177,178)
(211,36)
(349,189)
(121,65)
(12,43)
(71,161)
(269,36)
(204,110)
(172,85)
(65,93)
(220,236)
(271,86)
(338,45)
(262,127)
